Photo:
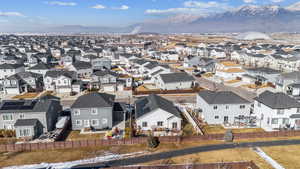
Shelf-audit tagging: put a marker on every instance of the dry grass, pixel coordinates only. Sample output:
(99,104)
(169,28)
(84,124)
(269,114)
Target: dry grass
(243,154)
(26,96)
(233,81)
(75,135)
(288,156)
(218,129)
(8,140)
(52,156)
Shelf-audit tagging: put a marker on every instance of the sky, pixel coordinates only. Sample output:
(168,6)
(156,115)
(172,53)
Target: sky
(18,14)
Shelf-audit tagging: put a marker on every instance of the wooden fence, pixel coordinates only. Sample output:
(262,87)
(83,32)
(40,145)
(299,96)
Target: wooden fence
(137,140)
(226,165)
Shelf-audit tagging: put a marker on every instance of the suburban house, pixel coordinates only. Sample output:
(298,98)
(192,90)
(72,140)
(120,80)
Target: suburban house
(93,110)
(223,107)
(105,80)
(155,112)
(229,70)
(276,111)
(23,82)
(60,81)
(39,68)
(103,63)
(285,79)
(29,118)
(174,81)
(7,70)
(83,69)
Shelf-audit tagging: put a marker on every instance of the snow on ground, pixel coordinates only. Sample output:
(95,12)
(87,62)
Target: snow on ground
(267,158)
(69,164)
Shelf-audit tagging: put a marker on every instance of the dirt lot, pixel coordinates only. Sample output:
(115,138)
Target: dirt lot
(218,129)
(75,135)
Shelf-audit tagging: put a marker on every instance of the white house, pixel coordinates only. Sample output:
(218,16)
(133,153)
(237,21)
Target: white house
(155,112)
(222,107)
(7,70)
(174,81)
(59,81)
(276,110)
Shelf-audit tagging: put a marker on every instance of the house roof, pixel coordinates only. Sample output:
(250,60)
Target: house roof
(10,66)
(222,97)
(277,100)
(152,102)
(39,66)
(82,65)
(94,100)
(26,122)
(57,73)
(24,106)
(176,77)
(106,72)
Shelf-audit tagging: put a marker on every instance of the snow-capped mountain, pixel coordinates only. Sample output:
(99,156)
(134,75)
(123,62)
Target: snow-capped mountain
(246,18)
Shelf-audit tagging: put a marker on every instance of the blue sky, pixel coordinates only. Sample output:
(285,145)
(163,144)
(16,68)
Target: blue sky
(39,13)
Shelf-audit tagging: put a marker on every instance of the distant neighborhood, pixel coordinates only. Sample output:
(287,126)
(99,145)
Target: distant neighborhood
(114,87)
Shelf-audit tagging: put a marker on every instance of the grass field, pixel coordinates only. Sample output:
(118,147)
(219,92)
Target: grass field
(26,96)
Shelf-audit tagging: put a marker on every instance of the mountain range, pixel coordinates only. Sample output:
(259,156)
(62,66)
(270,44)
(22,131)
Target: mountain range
(246,18)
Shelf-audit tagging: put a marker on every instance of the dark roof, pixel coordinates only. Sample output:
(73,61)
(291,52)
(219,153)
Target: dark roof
(222,97)
(106,72)
(295,116)
(277,100)
(152,102)
(39,66)
(10,66)
(26,122)
(176,77)
(14,106)
(82,65)
(94,100)
(57,73)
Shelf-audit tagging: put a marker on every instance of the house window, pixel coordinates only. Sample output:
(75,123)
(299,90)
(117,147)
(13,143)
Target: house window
(280,111)
(160,123)
(94,112)
(24,132)
(227,107)
(144,124)
(274,120)
(285,121)
(22,116)
(174,125)
(7,117)
(259,104)
(242,106)
(95,122)
(216,117)
(76,112)
(298,110)
(215,107)
(104,121)
(78,122)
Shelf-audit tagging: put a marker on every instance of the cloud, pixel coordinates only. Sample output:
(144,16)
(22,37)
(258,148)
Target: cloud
(98,6)
(123,7)
(61,3)
(18,14)
(249,1)
(193,7)
(276,1)
(294,7)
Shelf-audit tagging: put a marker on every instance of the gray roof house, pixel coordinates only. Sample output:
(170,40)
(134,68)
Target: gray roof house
(19,114)
(174,81)
(222,107)
(93,110)
(155,111)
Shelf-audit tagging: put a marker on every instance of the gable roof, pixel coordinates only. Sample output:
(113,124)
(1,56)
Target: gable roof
(10,66)
(152,102)
(26,122)
(277,100)
(176,77)
(14,106)
(222,97)
(57,73)
(94,100)
(82,65)
(39,66)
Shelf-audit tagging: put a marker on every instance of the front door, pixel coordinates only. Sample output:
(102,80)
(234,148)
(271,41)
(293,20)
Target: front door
(86,123)
(225,119)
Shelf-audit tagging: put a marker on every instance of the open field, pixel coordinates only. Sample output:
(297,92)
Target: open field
(287,156)
(218,129)
(240,154)
(26,96)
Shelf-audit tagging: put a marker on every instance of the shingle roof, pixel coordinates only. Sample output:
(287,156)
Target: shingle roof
(277,100)
(10,66)
(13,106)
(82,65)
(26,122)
(222,97)
(94,100)
(153,102)
(57,73)
(176,77)
(39,66)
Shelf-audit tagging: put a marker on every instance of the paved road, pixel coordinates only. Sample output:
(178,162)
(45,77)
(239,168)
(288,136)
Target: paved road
(208,84)
(182,152)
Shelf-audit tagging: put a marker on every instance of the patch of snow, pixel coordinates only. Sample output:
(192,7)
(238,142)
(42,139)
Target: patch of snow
(69,164)
(267,158)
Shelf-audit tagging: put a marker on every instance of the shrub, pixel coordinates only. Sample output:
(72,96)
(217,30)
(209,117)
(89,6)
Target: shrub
(153,142)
